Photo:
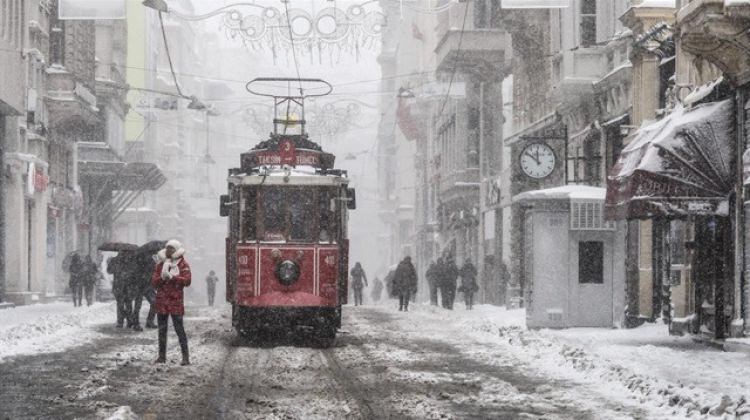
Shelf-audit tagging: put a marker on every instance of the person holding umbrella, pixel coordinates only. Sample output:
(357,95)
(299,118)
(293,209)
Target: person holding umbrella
(171,275)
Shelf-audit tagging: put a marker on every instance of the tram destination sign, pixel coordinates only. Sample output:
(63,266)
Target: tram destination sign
(287,154)
(301,158)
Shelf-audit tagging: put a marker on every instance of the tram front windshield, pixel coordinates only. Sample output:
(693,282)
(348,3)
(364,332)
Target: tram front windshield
(289,214)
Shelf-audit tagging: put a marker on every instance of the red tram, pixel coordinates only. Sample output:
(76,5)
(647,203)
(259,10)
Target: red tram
(287,247)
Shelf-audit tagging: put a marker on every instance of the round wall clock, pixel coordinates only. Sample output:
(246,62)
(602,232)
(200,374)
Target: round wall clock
(537,160)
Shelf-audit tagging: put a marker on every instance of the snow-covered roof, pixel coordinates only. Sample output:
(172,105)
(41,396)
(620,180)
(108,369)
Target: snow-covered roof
(657,3)
(566,192)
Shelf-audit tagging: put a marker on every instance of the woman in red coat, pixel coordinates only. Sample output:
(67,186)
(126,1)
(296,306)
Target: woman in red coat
(171,275)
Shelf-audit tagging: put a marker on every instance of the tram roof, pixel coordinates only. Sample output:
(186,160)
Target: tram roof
(285,175)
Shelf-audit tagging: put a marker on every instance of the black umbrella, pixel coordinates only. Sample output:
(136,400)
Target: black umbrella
(117,247)
(151,247)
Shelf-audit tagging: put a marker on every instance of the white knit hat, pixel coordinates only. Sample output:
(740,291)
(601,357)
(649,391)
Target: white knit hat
(174,243)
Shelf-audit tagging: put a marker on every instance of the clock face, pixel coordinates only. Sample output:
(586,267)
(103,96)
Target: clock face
(537,160)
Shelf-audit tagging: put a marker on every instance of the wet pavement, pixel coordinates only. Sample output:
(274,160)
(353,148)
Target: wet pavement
(384,364)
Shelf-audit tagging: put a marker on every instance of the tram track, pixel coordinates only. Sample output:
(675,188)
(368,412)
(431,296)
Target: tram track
(353,387)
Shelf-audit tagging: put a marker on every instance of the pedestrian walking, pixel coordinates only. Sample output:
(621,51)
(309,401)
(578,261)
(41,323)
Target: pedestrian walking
(377,290)
(139,287)
(359,282)
(119,267)
(171,275)
(433,279)
(405,283)
(211,281)
(88,279)
(389,289)
(448,282)
(75,282)
(469,286)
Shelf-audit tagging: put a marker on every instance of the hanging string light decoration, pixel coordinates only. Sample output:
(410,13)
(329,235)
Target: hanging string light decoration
(327,32)
(333,118)
(324,119)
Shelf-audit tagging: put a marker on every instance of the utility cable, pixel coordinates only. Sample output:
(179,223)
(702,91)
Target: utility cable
(291,40)
(169,57)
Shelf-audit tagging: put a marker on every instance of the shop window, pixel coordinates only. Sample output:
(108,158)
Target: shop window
(486,13)
(588,23)
(591,262)
(666,72)
(592,162)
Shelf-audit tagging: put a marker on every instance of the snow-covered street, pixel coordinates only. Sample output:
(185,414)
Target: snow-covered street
(426,363)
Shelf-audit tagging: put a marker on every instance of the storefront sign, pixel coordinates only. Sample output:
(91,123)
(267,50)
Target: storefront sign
(40,181)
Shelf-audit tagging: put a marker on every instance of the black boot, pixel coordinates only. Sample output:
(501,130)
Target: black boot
(150,325)
(162,347)
(185,358)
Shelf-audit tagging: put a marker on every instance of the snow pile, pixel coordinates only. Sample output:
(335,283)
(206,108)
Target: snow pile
(670,374)
(123,413)
(49,328)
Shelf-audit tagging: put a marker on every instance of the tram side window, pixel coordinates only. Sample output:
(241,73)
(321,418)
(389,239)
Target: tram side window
(249,219)
(327,211)
(301,215)
(274,223)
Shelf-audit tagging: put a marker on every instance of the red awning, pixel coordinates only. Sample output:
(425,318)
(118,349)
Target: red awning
(678,166)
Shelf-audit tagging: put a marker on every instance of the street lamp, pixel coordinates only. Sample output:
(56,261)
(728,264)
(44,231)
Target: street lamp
(159,5)
(195,103)
(405,93)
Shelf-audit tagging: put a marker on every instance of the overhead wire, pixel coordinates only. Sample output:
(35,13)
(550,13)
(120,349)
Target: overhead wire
(291,41)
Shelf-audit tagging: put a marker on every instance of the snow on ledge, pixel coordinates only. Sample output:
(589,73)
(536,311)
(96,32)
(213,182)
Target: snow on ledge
(567,192)
(657,3)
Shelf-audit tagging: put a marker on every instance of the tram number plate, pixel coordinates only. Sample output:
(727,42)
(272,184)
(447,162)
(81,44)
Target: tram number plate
(330,260)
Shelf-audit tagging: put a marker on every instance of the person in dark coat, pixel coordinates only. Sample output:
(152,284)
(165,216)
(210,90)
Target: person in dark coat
(377,290)
(171,275)
(140,287)
(405,283)
(211,281)
(390,290)
(359,282)
(448,282)
(119,267)
(89,271)
(433,279)
(76,270)
(469,284)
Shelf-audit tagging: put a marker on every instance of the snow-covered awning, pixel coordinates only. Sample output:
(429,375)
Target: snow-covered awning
(680,165)
(565,192)
(100,165)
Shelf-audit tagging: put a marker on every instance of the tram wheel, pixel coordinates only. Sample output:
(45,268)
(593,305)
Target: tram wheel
(326,335)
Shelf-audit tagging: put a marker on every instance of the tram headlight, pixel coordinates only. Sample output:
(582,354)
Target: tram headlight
(287,272)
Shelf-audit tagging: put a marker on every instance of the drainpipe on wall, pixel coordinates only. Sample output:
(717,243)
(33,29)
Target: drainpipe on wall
(480,236)
(743,143)
(2,208)
(737,322)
